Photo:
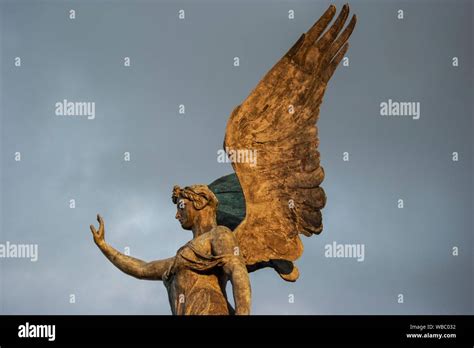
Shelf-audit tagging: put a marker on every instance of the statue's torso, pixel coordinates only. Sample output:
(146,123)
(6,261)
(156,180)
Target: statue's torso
(196,282)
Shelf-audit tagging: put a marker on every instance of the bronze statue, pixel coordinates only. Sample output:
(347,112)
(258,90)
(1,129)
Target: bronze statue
(270,202)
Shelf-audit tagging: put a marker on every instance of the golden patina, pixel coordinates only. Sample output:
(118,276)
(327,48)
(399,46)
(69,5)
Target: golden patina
(276,124)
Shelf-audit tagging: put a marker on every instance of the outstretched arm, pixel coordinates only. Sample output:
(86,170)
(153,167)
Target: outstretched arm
(225,244)
(137,268)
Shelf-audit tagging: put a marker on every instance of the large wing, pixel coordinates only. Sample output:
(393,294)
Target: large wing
(277,125)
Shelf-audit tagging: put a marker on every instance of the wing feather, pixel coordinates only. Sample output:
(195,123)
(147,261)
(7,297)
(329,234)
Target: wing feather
(277,121)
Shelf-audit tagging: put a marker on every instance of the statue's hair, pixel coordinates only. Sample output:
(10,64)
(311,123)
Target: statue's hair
(200,195)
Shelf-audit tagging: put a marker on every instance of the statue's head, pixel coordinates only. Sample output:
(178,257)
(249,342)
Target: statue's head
(194,204)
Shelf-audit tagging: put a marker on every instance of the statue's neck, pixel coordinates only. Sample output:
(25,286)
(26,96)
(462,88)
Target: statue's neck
(203,224)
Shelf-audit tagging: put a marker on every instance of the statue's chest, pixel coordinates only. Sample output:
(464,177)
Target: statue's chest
(191,271)
(196,255)
(201,245)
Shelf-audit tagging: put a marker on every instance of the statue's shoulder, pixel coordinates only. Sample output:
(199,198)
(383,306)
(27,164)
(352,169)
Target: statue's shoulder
(222,231)
(222,234)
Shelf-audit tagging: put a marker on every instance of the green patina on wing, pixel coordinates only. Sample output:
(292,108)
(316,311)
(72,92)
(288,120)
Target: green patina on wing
(231,209)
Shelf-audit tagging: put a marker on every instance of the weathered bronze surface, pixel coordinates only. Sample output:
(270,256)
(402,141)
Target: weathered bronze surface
(271,201)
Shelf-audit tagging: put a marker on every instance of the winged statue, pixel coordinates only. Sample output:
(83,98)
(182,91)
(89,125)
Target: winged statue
(253,218)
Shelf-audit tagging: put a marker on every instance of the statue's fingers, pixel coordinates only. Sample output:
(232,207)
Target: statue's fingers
(99,218)
(93,230)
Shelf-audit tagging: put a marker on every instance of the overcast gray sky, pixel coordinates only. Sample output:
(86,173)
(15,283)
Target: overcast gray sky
(407,251)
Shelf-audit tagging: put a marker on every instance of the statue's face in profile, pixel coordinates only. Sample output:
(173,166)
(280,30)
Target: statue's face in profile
(185,213)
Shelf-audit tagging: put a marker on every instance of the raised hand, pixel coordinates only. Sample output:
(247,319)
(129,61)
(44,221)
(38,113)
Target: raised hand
(99,236)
